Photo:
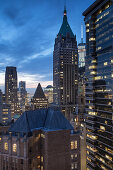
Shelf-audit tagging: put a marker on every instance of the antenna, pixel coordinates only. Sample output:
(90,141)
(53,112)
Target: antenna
(65,4)
(82,33)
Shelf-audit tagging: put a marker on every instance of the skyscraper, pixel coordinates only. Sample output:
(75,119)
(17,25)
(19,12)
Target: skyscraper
(48,91)
(81,54)
(39,100)
(81,51)
(65,70)
(99,85)
(11,89)
(5,111)
(22,95)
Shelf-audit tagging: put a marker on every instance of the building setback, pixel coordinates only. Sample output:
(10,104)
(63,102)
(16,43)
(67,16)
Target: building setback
(65,70)
(40,140)
(99,85)
(11,89)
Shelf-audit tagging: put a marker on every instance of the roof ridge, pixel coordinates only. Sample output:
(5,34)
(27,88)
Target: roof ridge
(27,121)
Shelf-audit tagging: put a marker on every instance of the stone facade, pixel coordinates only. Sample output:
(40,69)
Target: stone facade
(41,150)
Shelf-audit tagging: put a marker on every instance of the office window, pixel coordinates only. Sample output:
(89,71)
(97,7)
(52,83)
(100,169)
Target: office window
(6,146)
(73,144)
(14,147)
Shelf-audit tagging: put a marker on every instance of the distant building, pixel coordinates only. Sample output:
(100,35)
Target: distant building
(48,91)
(22,95)
(40,140)
(65,70)
(39,100)
(11,89)
(81,54)
(5,111)
(81,94)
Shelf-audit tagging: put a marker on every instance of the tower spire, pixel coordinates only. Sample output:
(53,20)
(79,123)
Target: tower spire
(82,33)
(65,11)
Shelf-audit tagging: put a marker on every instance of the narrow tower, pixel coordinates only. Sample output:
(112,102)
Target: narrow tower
(11,89)
(65,69)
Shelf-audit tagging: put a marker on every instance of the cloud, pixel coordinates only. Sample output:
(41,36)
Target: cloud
(32,80)
(37,55)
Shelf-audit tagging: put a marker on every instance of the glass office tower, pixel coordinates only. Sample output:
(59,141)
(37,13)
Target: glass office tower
(99,85)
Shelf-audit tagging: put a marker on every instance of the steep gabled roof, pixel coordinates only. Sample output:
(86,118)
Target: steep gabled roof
(39,92)
(56,120)
(45,119)
(65,28)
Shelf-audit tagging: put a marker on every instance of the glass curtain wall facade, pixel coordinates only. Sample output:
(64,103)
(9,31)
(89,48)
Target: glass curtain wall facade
(99,85)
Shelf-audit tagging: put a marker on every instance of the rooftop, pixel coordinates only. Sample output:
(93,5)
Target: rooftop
(39,92)
(92,7)
(43,119)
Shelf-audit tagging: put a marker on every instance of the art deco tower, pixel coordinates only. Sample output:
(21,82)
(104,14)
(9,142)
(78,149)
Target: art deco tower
(11,89)
(65,68)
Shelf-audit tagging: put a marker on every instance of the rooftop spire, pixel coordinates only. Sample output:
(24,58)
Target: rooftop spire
(65,11)
(82,33)
(65,27)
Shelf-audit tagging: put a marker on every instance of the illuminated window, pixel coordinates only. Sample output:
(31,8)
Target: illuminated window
(72,166)
(92,39)
(38,157)
(92,137)
(41,158)
(72,156)
(92,67)
(75,155)
(91,148)
(14,147)
(89,159)
(106,63)
(92,113)
(87,25)
(109,150)
(93,72)
(0,139)
(108,157)
(93,61)
(74,145)
(111,61)
(41,167)
(102,128)
(6,146)
(42,135)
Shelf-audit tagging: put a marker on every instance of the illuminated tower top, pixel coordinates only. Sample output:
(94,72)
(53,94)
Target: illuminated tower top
(65,27)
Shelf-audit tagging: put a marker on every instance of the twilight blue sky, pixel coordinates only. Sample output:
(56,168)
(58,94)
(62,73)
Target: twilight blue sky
(27,32)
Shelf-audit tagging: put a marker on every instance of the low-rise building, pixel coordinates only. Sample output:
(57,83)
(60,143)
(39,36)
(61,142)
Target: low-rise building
(40,140)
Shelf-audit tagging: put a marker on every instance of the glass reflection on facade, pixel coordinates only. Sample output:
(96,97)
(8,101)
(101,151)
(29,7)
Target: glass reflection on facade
(99,85)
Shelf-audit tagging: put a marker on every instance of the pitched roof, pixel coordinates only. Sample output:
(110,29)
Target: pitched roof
(39,92)
(65,28)
(45,119)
